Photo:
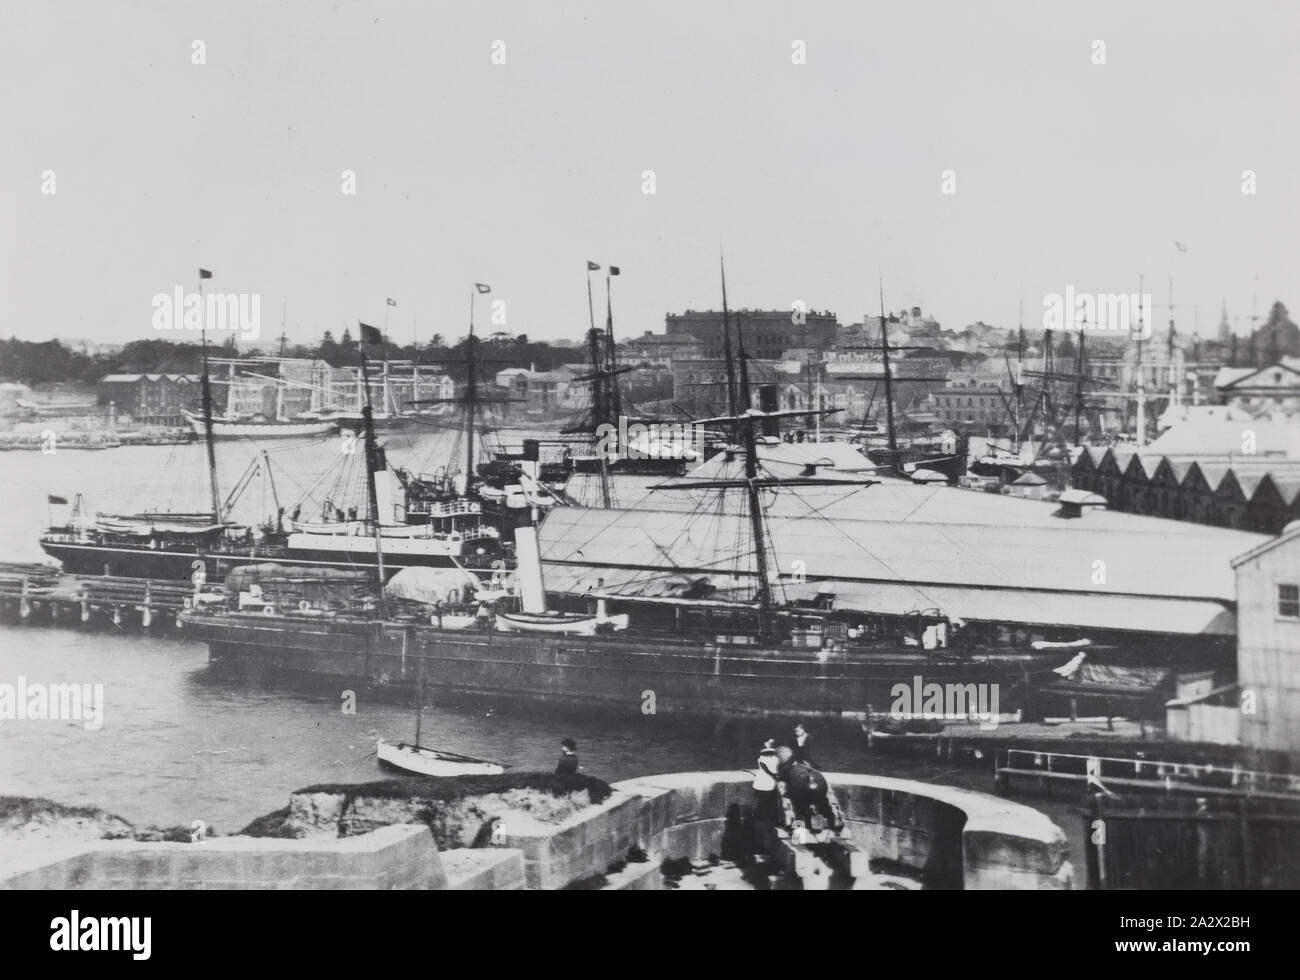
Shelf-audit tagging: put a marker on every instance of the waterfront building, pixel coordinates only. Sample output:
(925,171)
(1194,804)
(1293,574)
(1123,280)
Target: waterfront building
(539,390)
(1257,493)
(980,408)
(897,547)
(150,399)
(1273,390)
(12,397)
(766,333)
(658,350)
(1268,643)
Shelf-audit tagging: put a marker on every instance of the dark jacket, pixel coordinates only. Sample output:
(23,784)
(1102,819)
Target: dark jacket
(568,764)
(802,753)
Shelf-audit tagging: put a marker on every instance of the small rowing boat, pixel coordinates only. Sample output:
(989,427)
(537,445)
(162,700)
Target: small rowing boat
(423,761)
(420,760)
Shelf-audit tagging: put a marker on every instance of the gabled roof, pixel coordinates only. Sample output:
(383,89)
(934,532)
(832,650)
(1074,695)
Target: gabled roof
(1212,471)
(1081,498)
(1223,436)
(1288,488)
(1227,376)
(178,378)
(1288,538)
(1259,376)
(1249,482)
(1144,463)
(981,556)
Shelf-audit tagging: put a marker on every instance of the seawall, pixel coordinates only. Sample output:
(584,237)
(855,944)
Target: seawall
(947,837)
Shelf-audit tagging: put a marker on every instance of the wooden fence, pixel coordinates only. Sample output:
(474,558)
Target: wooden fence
(1196,843)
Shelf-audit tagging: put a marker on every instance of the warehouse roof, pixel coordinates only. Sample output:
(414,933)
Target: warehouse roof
(898,546)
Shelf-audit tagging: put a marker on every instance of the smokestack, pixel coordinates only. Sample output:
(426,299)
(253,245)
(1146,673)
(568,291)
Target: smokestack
(528,561)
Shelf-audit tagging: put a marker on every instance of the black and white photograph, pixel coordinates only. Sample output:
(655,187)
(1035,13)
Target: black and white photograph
(716,446)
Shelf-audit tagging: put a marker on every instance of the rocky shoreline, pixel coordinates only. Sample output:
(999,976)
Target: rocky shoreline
(459,812)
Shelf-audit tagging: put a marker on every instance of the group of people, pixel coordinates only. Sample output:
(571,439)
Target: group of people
(792,765)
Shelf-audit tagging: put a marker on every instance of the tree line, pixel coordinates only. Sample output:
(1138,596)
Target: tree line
(45,362)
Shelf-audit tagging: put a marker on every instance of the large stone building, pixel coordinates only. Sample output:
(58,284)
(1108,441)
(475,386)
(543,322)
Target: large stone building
(658,350)
(150,399)
(538,391)
(766,333)
(1268,643)
(1263,391)
(980,408)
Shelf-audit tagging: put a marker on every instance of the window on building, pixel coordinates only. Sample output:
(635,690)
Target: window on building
(1288,601)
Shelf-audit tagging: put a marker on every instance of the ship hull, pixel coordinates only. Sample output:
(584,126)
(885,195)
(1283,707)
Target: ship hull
(262,430)
(178,562)
(623,672)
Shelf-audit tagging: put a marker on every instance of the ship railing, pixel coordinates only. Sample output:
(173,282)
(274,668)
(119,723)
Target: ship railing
(1130,772)
(445,508)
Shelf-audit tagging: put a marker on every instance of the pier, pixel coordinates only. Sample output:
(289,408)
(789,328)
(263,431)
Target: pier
(42,595)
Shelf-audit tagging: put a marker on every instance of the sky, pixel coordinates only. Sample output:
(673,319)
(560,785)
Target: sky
(818,180)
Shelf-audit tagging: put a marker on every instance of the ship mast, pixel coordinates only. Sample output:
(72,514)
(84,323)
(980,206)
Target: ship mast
(611,354)
(1018,382)
(889,383)
(372,460)
(1078,390)
(471,400)
(1141,378)
(601,380)
(208,437)
(732,400)
(764,594)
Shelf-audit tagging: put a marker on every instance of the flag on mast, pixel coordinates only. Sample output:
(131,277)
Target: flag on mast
(592,266)
(1180,246)
(391,301)
(205,274)
(370,335)
(613,270)
(482,287)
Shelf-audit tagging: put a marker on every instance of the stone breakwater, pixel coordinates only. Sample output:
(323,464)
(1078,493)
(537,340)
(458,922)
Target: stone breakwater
(366,836)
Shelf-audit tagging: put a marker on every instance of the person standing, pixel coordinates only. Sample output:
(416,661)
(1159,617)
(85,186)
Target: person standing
(802,745)
(766,805)
(568,764)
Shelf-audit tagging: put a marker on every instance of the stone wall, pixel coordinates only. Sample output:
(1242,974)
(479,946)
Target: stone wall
(953,837)
(392,857)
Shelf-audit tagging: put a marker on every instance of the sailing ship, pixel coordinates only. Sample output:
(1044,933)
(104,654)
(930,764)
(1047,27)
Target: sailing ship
(942,452)
(415,530)
(695,647)
(420,760)
(258,426)
(585,439)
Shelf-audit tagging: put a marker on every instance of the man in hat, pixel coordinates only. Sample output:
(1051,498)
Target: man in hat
(767,807)
(568,764)
(803,745)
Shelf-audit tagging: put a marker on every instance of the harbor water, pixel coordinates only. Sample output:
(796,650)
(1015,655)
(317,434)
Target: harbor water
(180,741)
